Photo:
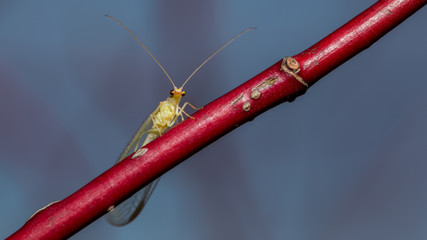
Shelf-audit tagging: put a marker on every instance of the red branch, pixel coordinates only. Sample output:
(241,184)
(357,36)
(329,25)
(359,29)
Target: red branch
(62,219)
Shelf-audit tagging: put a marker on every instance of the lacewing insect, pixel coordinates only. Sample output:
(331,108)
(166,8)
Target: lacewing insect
(162,118)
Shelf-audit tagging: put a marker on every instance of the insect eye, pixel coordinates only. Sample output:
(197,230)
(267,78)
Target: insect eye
(172,92)
(183,93)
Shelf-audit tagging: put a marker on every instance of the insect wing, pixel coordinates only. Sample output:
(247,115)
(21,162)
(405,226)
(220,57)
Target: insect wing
(128,210)
(136,139)
(131,207)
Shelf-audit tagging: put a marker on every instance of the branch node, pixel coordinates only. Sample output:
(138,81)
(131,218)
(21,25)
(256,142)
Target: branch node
(140,152)
(246,106)
(291,66)
(255,94)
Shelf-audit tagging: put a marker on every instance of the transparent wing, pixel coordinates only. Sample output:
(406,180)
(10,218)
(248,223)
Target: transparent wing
(134,142)
(128,210)
(131,207)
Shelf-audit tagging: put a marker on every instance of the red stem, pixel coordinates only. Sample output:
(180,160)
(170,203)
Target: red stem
(62,219)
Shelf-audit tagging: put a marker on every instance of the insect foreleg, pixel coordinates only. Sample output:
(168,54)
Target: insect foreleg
(187,103)
(180,110)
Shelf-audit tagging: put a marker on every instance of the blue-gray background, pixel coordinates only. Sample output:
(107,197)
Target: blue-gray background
(345,161)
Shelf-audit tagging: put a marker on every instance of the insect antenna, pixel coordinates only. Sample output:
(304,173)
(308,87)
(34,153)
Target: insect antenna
(213,54)
(146,49)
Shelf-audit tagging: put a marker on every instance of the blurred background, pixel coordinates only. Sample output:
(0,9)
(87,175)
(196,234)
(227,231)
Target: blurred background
(347,160)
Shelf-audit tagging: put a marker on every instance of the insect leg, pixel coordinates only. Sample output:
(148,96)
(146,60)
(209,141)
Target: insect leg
(187,103)
(155,125)
(181,110)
